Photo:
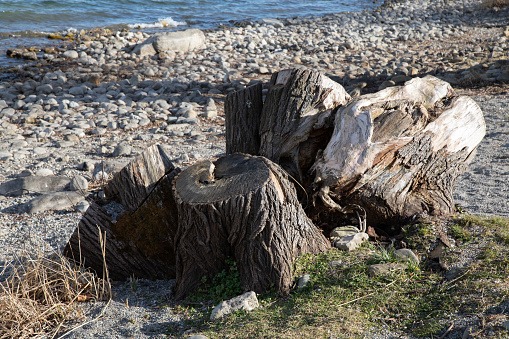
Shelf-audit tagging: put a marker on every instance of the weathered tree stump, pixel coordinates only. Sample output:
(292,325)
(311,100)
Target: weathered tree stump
(243,111)
(140,243)
(245,207)
(134,182)
(297,116)
(398,152)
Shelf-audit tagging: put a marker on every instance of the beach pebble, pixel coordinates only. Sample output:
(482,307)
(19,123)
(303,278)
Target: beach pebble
(122,150)
(71,54)
(44,172)
(52,201)
(247,302)
(34,184)
(78,183)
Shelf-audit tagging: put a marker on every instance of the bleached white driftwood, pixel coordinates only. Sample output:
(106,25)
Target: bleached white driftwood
(398,152)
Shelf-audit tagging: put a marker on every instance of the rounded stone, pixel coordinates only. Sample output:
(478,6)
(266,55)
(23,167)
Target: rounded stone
(405,254)
(44,172)
(122,150)
(79,183)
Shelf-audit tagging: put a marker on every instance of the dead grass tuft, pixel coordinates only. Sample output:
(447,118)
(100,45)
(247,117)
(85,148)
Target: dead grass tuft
(494,3)
(41,295)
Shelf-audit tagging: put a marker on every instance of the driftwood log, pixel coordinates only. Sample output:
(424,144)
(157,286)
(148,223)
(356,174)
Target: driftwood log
(397,153)
(244,207)
(140,243)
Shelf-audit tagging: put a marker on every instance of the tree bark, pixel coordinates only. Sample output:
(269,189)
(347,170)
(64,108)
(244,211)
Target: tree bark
(140,243)
(134,182)
(297,118)
(398,152)
(245,207)
(243,110)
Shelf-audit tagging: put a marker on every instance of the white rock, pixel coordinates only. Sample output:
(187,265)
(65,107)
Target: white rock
(44,172)
(351,242)
(71,54)
(247,302)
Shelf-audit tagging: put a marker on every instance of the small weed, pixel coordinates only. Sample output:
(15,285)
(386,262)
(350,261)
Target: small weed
(133,282)
(460,233)
(384,255)
(419,235)
(224,285)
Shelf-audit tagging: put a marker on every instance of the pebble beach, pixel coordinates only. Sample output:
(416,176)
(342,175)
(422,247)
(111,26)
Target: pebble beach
(84,108)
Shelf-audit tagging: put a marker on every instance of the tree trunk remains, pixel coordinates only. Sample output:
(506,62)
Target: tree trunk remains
(140,243)
(243,111)
(398,152)
(296,120)
(134,182)
(245,207)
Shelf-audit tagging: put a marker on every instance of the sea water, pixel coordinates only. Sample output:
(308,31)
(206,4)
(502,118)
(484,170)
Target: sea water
(28,22)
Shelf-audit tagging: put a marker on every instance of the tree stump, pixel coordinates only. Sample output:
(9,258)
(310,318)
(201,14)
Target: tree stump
(140,243)
(398,152)
(131,185)
(243,111)
(241,206)
(297,116)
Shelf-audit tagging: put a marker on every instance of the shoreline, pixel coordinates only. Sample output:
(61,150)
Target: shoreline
(95,101)
(37,39)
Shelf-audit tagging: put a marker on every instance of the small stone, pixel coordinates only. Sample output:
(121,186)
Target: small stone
(71,55)
(122,150)
(247,301)
(71,137)
(405,254)
(65,144)
(263,70)
(52,201)
(86,166)
(303,280)
(78,183)
(34,184)
(44,172)
(344,231)
(351,242)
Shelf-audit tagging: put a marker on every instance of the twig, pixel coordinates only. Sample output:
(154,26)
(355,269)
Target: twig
(461,276)
(447,331)
(365,296)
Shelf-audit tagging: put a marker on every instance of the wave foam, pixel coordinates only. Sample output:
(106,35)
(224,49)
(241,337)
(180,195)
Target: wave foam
(161,23)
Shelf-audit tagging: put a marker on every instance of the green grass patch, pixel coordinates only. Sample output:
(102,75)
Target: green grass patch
(342,300)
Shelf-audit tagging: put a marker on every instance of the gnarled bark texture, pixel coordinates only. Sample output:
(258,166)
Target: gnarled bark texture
(296,120)
(245,207)
(134,182)
(398,152)
(140,243)
(243,111)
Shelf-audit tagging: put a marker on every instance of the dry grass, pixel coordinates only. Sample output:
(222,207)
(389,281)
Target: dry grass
(495,3)
(41,295)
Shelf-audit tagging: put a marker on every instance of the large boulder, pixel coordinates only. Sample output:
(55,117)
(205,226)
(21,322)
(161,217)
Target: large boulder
(172,41)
